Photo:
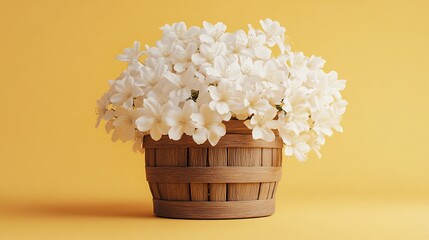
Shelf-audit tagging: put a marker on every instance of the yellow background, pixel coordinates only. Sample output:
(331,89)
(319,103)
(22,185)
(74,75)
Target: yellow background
(60,178)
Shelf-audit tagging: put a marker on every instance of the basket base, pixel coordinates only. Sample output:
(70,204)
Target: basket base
(214,210)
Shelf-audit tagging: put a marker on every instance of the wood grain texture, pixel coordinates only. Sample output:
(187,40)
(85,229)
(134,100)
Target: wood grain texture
(236,126)
(196,157)
(150,162)
(229,174)
(173,157)
(267,160)
(214,210)
(237,178)
(243,157)
(229,140)
(277,161)
(217,157)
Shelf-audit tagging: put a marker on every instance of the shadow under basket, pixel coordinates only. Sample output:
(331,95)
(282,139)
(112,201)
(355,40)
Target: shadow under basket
(237,178)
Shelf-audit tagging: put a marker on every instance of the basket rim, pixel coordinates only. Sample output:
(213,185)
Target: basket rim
(237,135)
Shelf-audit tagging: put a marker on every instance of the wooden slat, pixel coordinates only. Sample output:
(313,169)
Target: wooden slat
(197,157)
(214,210)
(150,162)
(267,160)
(230,174)
(229,140)
(236,126)
(170,158)
(277,162)
(217,157)
(243,157)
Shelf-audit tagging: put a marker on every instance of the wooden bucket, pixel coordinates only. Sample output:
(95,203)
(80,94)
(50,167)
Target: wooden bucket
(237,178)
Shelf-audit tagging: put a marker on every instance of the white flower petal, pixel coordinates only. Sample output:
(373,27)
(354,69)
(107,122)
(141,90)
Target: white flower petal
(213,138)
(189,128)
(145,123)
(288,150)
(117,98)
(248,124)
(176,132)
(214,94)
(218,129)
(155,133)
(267,135)
(222,107)
(198,59)
(257,133)
(206,38)
(200,135)
(263,52)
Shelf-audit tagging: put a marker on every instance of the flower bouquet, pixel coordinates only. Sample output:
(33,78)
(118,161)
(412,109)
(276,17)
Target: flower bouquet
(213,110)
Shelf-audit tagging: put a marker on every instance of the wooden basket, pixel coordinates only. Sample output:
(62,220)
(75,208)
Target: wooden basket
(237,178)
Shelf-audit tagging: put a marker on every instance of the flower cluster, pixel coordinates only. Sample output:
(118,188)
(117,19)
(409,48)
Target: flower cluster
(196,78)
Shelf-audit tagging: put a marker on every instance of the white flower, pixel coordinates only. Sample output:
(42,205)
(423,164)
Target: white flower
(271,76)
(109,127)
(126,91)
(335,85)
(240,46)
(222,97)
(296,122)
(102,110)
(225,68)
(164,95)
(138,142)
(130,55)
(263,52)
(315,143)
(274,33)
(124,123)
(298,66)
(152,118)
(246,65)
(329,118)
(184,83)
(209,126)
(135,71)
(153,76)
(203,96)
(262,125)
(255,103)
(195,78)
(325,88)
(183,57)
(180,32)
(214,33)
(179,119)
(315,63)
(274,96)
(208,52)
(295,98)
(238,111)
(296,145)
(296,106)
(164,49)
(255,38)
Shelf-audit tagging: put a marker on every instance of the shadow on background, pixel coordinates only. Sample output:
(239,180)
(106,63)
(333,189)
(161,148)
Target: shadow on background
(82,209)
